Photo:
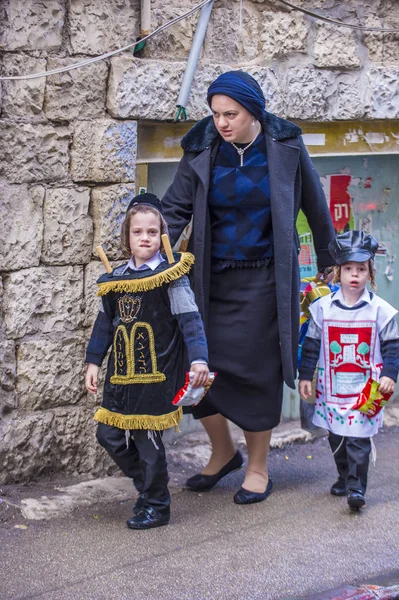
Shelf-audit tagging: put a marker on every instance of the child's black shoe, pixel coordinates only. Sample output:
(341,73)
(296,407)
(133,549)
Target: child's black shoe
(338,488)
(147,518)
(356,499)
(140,502)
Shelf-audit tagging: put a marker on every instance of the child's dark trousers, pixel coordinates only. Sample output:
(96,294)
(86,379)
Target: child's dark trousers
(352,460)
(142,459)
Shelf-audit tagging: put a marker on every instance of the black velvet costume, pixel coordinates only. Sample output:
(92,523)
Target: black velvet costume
(145,367)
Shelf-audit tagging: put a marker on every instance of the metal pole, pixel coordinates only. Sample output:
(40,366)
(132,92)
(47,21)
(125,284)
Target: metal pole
(145,17)
(194,54)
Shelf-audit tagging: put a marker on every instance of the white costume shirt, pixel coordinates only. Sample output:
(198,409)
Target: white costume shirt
(349,355)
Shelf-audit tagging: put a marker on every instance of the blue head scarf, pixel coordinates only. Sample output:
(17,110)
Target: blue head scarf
(242,88)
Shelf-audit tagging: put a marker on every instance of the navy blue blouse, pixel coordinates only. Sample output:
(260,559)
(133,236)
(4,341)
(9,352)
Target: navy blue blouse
(239,204)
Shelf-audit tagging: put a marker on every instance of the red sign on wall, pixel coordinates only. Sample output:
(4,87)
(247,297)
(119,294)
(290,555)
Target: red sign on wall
(340,201)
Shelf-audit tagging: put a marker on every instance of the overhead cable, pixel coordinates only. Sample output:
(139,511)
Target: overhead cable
(95,59)
(334,21)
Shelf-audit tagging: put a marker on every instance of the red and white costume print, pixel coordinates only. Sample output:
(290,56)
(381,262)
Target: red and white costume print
(349,355)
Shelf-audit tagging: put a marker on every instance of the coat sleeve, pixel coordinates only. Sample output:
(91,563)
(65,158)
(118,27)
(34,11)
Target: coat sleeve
(314,205)
(178,201)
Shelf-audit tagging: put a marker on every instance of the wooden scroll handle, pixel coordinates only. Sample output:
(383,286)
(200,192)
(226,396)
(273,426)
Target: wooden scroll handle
(104,259)
(168,248)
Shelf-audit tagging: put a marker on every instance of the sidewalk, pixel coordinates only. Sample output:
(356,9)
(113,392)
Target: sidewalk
(75,544)
(186,455)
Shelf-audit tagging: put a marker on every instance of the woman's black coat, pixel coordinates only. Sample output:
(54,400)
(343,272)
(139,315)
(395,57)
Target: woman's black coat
(294,185)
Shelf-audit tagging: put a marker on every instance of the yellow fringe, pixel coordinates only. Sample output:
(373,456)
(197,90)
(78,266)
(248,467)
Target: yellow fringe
(156,423)
(151,282)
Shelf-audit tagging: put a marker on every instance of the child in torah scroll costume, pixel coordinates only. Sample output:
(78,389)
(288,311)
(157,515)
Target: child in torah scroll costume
(354,338)
(148,313)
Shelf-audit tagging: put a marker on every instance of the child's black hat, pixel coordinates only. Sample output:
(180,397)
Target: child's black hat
(147,198)
(353,245)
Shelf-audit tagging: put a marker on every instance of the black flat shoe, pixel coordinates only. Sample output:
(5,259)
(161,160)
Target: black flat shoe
(147,518)
(244,496)
(200,482)
(339,488)
(356,499)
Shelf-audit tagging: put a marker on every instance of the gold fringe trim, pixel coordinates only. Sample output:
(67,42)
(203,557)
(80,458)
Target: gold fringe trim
(156,423)
(139,378)
(151,282)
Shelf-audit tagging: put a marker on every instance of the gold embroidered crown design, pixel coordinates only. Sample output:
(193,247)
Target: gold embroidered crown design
(129,308)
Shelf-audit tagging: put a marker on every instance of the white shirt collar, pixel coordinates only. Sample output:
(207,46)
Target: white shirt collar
(152,263)
(365,297)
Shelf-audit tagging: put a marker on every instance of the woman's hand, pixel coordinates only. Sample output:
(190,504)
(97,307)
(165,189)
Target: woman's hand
(91,378)
(201,374)
(387,385)
(305,389)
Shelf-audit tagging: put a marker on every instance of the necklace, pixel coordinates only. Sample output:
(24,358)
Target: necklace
(242,150)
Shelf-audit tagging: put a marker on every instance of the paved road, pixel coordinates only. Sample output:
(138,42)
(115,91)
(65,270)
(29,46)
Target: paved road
(298,542)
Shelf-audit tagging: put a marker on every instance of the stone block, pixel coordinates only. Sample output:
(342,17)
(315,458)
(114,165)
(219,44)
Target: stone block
(93,271)
(384,93)
(8,367)
(150,89)
(143,89)
(43,300)
(383,49)
(348,101)
(175,41)
(50,373)
(108,209)
(76,94)
(282,34)
(62,440)
(307,94)
(21,225)
(229,39)
(104,25)
(104,151)
(32,25)
(335,47)
(22,98)
(25,446)
(33,153)
(387,9)
(68,228)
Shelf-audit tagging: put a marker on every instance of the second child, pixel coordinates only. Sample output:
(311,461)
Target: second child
(353,336)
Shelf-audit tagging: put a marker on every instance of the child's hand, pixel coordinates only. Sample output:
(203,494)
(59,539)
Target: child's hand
(305,388)
(91,378)
(386,385)
(201,374)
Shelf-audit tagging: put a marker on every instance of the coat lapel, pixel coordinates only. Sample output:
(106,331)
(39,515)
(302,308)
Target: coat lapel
(201,166)
(283,161)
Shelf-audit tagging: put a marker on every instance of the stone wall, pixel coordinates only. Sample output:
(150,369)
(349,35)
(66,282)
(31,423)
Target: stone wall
(67,168)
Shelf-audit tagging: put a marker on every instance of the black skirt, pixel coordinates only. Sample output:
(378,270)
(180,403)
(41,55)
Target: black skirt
(244,349)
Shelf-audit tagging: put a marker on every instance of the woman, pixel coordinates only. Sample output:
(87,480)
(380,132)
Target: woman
(244,176)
